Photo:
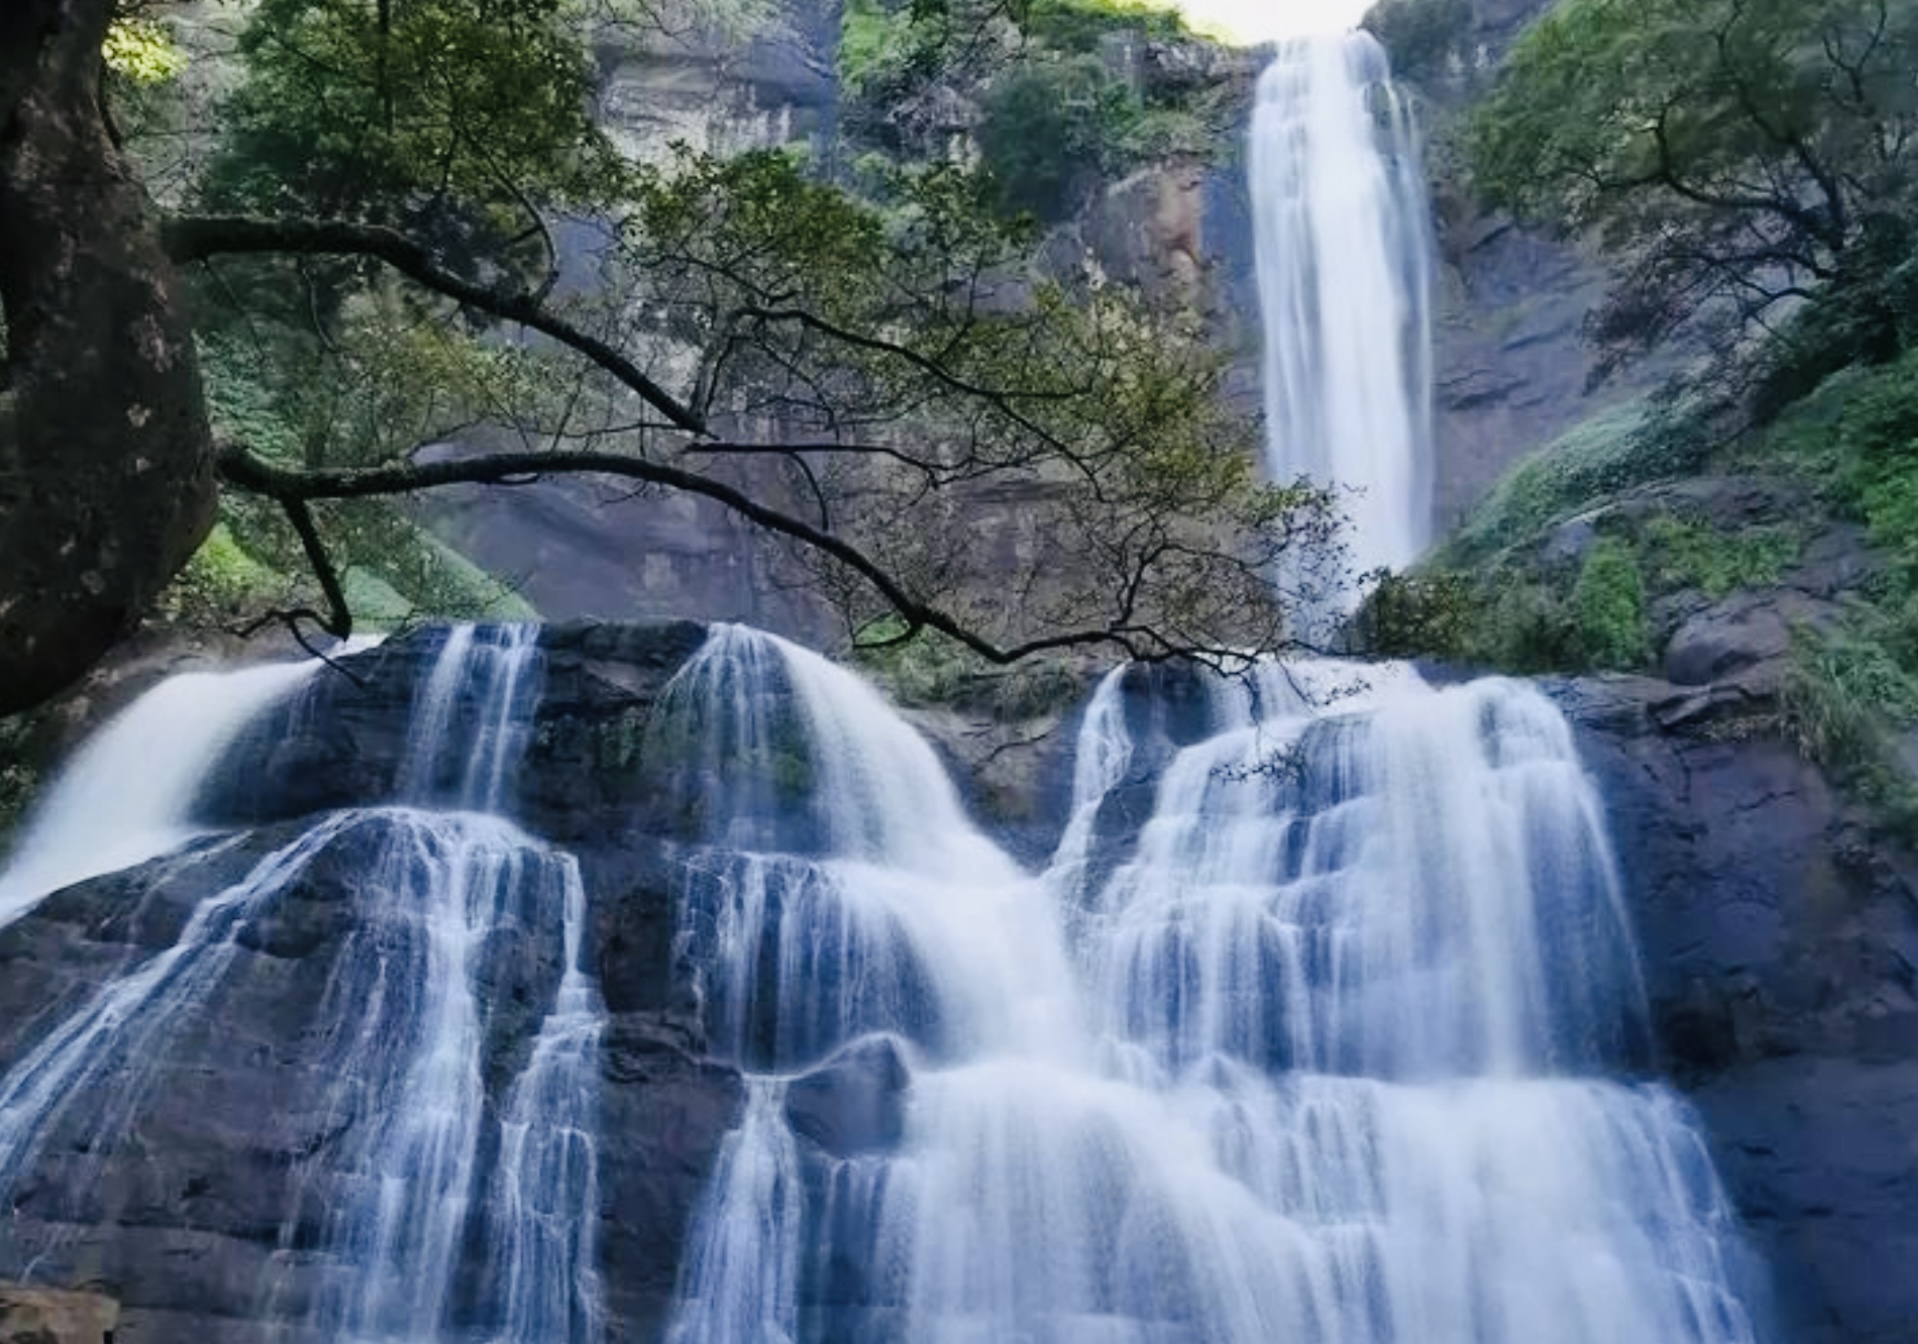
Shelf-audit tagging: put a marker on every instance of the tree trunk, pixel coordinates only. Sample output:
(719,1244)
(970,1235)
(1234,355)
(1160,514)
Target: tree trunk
(106,471)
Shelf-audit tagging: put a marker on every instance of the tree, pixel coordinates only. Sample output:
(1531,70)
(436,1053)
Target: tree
(384,199)
(1735,155)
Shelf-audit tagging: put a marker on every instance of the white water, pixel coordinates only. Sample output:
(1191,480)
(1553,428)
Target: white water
(127,795)
(420,1169)
(1344,265)
(1323,1062)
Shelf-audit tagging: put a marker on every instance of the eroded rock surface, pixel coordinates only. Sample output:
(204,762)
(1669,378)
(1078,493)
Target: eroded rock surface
(1780,952)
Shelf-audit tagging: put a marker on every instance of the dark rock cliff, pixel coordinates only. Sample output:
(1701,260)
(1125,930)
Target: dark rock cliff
(1780,952)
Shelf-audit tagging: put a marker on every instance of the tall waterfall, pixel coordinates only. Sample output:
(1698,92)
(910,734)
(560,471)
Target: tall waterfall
(1344,267)
(1324,1060)
(422,1173)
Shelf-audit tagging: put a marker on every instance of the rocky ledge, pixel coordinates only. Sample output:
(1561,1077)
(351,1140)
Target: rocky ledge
(1779,938)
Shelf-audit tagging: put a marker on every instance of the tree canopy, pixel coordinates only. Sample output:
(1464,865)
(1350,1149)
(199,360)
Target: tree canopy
(1734,154)
(366,265)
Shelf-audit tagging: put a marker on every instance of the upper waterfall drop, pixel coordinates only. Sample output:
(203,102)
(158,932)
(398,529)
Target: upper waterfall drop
(1344,248)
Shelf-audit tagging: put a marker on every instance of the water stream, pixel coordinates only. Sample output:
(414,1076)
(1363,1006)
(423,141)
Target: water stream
(1344,251)
(1326,1059)
(425,1172)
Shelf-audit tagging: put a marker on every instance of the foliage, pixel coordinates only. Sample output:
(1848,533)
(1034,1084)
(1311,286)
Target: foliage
(1080,25)
(928,669)
(1422,36)
(1842,694)
(222,585)
(1679,553)
(1418,614)
(1732,154)
(882,47)
(452,117)
(1595,457)
(1050,129)
(1610,599)
(1058,114)
(142,51)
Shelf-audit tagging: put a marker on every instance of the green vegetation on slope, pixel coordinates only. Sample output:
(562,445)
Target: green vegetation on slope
(1058,108)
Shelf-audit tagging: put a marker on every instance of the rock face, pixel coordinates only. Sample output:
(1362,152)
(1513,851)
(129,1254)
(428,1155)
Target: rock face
(1780,953)
(581,548)
(42,1316)
(200,1194)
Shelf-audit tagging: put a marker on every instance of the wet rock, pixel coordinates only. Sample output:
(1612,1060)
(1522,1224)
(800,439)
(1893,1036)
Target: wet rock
(853,1103)
(664,1113)
(1779,942)
(1740,632)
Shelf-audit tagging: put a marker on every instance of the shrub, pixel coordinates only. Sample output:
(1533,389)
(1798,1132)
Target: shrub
(1679,553)
(1051,129)
(1610,600)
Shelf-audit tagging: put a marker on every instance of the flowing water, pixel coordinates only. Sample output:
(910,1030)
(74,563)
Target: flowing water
(1325,1059)
(126,795)
(1344,266)
(424,1169)
(1328,1049)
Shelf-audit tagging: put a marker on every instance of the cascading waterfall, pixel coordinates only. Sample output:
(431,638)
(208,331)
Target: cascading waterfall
(1344,267)
(126,796)
(429,1169)
(1324,1060)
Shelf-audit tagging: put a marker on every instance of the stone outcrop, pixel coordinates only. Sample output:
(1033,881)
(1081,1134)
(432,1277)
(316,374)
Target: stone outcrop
(1780,953)
(199,1193)
(46,1316)
(581,548)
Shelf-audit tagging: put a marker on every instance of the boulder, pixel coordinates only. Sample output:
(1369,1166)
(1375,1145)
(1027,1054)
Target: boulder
(49,1316)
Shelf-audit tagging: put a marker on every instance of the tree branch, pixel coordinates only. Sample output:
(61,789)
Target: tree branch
(195,238)
(338,621)
(294,489)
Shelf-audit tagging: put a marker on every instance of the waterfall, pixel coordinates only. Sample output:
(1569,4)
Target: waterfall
(1344,269)
(127,794)
(1329,1057)
(426,1175)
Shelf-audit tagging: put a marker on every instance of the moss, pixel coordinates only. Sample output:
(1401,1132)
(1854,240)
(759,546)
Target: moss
(1610,600)
(1600,455)
(1681,553)
(222,584)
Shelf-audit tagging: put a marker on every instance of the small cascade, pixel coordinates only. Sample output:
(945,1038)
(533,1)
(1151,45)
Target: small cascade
(432,1168)
(1325,1059)
(1104,756)
(1344,264)
(127,795)
(542,1219)
(471,717)
(826,823)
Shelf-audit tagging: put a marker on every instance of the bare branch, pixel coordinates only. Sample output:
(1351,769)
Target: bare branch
(195,238)
(245,471)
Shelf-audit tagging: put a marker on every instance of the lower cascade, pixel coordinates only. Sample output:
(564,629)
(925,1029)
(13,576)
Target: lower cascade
(1345,1044)
(1322,1060)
